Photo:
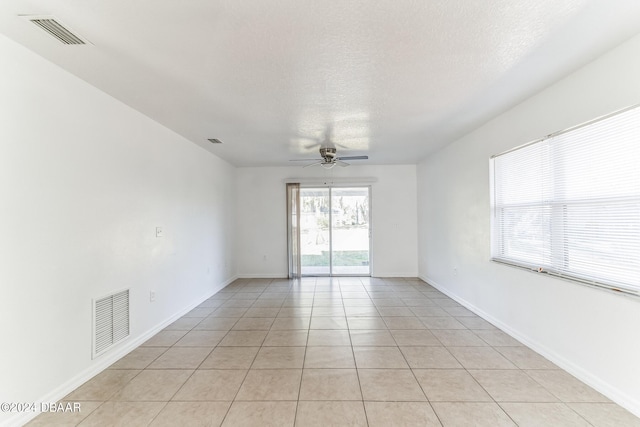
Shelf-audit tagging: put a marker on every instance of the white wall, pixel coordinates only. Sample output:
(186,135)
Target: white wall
(592,333)
(262,224)
(84,181)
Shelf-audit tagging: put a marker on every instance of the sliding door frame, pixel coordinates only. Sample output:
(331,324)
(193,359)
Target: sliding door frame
(330,187)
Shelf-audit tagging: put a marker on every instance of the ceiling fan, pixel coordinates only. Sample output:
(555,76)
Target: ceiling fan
(329,159)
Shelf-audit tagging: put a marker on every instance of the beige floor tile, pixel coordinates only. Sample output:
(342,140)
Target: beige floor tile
(279,358)
(327,414)
(243,339)
(306,302)
(229,312)
(268,312)
(458,414)
(238,304)
(253,324)
(286,338)
(294,312)
(271,384)
(263,414)
(447,322)
(230,358)
(458,338)
(192,414)
(497,338)
(216,324)
(139,358)
(450,385)
(372,338)
(432,311)
(64,419)
(153,385)
(566,387)
(328,310)
(348,294)
(102,386)
(268,349)
(395,311)
(379,357)
(291,323)
(366,323)
(181,358)
(543,414)
(480,358)
(183,324)
(423,338)
(358,302)
(605,414)
(164,339)
(268,303)
(525,358)
(404,323)
(387,302)
(511,386)
(201,339)
(211,303)
(328,322)
(401,414)
(319,337)
(123,414)
(475,323)
(330,384)
(211,385)
(361,310)
(430,358)
(446,302)
(419,302)
(329,357)
(390,385)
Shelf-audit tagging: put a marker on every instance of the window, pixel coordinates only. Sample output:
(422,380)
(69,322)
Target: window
(569,204)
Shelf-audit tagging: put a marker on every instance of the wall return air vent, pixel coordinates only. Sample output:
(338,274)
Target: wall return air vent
(54,28)
(110,321)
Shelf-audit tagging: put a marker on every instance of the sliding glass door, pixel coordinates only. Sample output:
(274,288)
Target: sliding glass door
(334,231)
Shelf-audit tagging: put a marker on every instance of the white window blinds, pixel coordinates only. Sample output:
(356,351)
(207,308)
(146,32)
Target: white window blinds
(570,204)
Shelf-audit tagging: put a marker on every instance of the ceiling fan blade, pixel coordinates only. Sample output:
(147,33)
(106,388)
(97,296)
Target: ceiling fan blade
(341,163)
(313,164)
(353,158)
(304,160)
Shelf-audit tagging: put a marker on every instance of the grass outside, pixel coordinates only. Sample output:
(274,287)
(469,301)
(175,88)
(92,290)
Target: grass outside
(340,259)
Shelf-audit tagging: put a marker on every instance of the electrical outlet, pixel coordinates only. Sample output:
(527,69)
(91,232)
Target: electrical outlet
(159,232)
(455,271)
(152,296)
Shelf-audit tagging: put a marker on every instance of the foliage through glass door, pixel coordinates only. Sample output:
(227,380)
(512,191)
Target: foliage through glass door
(334,231)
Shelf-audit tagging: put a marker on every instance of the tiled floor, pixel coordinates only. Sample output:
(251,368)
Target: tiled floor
(335,352)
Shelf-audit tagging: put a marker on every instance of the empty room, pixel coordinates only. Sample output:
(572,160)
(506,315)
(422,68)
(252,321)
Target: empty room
(320,213)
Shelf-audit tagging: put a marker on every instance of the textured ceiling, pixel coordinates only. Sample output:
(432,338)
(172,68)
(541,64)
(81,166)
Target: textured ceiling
(392,79)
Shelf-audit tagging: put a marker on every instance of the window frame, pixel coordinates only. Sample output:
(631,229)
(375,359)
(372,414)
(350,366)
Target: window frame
(557,241)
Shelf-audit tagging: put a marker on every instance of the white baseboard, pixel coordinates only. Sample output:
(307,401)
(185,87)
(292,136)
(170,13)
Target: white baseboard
(108,359)
(262,276)
(630,403)
(391,275)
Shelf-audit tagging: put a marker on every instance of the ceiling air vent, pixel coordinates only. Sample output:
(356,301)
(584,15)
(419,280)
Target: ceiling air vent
(214,141)
(56,29)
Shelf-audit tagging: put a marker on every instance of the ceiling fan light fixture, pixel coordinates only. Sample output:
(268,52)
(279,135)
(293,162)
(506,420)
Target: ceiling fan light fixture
(328,165)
